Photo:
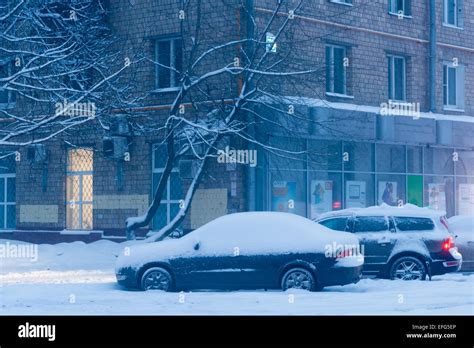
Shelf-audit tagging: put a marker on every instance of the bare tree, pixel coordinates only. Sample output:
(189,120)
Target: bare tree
(57,66)
(232,87)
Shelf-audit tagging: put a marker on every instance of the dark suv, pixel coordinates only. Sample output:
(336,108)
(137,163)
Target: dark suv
(399,243)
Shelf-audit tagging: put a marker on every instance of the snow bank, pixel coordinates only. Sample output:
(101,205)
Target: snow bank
(463,227)
(253,233)
(100,255)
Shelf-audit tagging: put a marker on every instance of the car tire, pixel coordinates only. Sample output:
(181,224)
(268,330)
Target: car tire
(156,278)
(299,278)
(408,268)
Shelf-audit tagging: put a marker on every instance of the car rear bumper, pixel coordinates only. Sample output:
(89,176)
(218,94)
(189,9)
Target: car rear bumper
(452,264)
(341,276)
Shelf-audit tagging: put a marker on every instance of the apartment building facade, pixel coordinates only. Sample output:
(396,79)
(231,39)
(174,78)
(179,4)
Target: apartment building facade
(396,94)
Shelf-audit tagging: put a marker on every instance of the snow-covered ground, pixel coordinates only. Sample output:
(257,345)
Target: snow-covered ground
(78,278)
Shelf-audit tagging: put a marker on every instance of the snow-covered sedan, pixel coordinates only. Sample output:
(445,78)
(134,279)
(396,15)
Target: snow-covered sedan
(463,227)
(258,250)
(406,242)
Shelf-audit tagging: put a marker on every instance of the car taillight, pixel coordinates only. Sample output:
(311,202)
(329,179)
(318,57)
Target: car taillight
(448,244)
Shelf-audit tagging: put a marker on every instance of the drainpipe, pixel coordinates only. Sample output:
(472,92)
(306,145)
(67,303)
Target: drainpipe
(432,56)
(251,171)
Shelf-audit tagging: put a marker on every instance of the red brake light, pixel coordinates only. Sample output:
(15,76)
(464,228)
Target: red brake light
(448,244)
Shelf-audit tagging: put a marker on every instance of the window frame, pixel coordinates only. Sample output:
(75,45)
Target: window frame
(391,77)
(392,3)
(270,43)
(172,40)
(459,94)
(80,202)
(331,68)
(457,9)
(11,97)
(342,2)
(6,203)
(167,201)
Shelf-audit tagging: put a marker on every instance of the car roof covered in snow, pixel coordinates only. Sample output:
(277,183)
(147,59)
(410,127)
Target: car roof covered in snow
(407,210)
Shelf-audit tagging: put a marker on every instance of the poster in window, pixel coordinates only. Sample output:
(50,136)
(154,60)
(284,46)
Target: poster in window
(466,199)
(321,197)
(283,194)
(437,196)
(355,194)
(388,193)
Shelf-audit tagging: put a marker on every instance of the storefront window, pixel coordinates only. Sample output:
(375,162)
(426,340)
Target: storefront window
(324,155)
(358,190)
(288,191)
(358,157)
(465,196)
(415,190)
(414,159)
(325,192)
(464,161)
(390,158)
(391,189)
(439,193)
(439,161)
(287,153)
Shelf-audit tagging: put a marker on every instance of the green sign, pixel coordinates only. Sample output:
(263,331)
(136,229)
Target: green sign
(415,190)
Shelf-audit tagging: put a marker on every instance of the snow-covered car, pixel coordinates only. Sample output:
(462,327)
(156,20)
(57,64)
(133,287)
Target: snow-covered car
(463,227)
(258,250)
(405,242)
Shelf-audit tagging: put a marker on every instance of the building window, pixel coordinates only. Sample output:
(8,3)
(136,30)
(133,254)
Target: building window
(169,59)
(7,97)
(324,192)
(453,86)
(359,190)
(400,7)
(324,155)
(288,191)
(169,206)
(390,158)
(438,161)
(343,2)
(397,78)
(414,159)
(7,192)
(271,45)
(358,157)
(453,13)
(79,189)
(336,74)
(439,193)
(391,189)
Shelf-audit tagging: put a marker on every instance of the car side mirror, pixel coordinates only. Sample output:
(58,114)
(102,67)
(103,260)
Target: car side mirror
(197,246)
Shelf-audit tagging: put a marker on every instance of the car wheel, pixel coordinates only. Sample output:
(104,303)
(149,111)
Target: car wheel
(156,278)
(298,278)
(408,268)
